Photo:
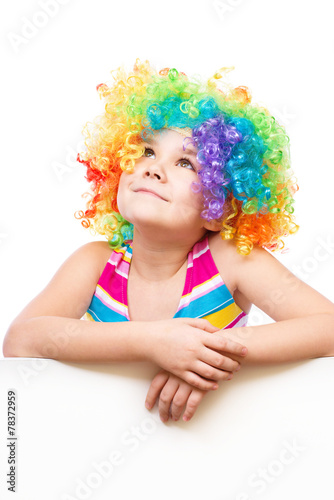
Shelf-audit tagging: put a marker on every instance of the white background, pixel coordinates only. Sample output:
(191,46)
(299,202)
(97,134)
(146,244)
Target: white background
(283,51)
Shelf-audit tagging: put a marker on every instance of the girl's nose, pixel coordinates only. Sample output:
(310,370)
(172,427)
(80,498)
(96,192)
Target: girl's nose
(150,173)
(155,170)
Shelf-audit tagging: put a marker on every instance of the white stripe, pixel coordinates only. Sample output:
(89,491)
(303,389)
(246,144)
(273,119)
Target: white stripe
(201,252)
(120,273)
(201,289)
(215,309)
(117,258)
(128,254)
(101,294)
(92,313)
(114,261)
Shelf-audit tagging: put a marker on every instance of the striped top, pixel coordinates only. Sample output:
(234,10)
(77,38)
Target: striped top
(205,294)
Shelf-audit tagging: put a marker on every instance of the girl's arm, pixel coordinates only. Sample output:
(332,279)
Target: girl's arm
(304,318)
(304,325)
(50,327)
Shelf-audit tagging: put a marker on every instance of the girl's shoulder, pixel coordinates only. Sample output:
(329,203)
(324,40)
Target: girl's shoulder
(95,254)
(70,290)
(233,267)
(226,258)
(87,261)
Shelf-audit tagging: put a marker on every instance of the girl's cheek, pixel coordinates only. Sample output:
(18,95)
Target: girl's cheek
(120,195)
(198,201)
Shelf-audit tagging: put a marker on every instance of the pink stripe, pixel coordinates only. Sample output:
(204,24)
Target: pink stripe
(105,276)
(210,288)
(118,285)
(207,268)
(200,275)
(124,267)
(201,245)
(237,319)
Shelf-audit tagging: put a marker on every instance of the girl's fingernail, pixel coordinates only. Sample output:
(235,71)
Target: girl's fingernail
(185,418)
(214,387)
(244,350)
(148,406)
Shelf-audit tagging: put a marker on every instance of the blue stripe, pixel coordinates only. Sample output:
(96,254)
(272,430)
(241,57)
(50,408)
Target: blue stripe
(213,302)
(103,313)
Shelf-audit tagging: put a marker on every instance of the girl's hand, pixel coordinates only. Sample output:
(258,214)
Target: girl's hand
(187,348)
(174,396)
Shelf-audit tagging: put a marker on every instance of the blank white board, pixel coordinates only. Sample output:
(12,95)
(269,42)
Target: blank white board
(83,432)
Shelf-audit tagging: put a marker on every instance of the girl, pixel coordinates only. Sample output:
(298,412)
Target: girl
(190,183)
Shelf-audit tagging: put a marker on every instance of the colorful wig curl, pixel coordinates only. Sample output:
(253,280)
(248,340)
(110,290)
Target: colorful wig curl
(245,176)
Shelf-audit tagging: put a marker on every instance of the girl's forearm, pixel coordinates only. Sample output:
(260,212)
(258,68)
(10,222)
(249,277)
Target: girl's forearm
(286,341)
(69,339)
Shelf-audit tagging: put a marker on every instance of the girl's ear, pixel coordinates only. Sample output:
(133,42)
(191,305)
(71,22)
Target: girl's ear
(213,225)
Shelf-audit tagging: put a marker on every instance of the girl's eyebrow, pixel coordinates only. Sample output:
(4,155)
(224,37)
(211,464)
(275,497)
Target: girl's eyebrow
(190,152)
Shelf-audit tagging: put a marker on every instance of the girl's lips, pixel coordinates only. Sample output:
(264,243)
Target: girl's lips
(150,192)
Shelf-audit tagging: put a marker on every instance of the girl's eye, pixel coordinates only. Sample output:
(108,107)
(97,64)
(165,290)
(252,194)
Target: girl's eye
(148,152)
(184,163)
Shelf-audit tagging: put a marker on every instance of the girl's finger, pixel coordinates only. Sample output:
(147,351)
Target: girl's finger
(166,397)
(198,382)
(155,388)
(192,404)
(202,324)
(223,344)
(211,373)
(179,401)
(219,361)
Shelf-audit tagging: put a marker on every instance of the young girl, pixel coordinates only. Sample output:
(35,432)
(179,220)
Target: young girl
(190,184)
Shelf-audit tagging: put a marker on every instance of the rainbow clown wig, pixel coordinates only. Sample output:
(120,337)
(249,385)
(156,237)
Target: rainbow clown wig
(245,176)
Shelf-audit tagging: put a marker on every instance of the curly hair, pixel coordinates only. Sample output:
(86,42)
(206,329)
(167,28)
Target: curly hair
(245,176)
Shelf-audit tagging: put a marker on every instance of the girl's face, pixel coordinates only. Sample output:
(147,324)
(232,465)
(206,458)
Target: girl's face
(157,194)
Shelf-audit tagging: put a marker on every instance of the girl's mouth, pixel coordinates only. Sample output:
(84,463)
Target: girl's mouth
(150,192)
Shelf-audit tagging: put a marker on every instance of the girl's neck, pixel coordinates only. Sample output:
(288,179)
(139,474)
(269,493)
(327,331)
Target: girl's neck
(156,260)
